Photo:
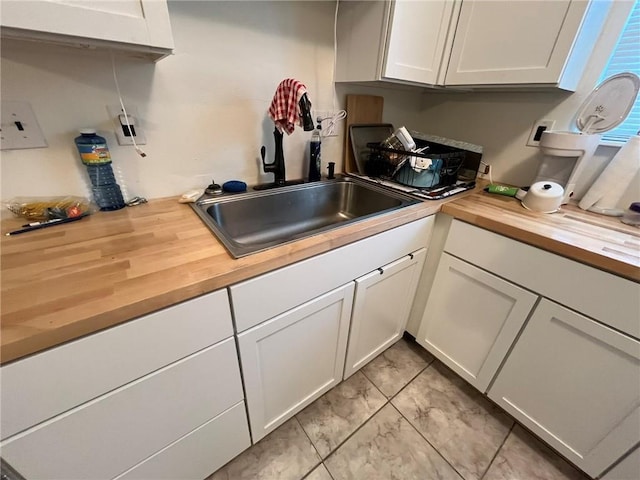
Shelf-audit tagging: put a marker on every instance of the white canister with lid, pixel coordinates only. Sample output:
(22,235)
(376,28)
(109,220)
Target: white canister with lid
(545,197)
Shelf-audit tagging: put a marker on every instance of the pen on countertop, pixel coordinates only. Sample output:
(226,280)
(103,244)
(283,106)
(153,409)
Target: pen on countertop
(33,224)
(38,225)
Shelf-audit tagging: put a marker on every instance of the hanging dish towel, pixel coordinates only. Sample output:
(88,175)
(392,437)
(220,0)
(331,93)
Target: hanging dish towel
(285,108)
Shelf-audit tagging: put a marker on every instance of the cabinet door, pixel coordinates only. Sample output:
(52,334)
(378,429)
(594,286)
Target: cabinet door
(500,42)
(294,358)
(416,41)
(627,469)
(381,308)
(471,319)
(575,383)
(140,22)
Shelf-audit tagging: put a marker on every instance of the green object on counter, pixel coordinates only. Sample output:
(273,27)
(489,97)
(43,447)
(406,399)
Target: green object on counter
(502,190)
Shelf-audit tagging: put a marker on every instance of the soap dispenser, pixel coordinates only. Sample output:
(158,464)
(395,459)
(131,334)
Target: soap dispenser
(314,155)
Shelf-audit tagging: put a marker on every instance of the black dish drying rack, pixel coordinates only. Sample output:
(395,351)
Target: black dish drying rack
(444,168)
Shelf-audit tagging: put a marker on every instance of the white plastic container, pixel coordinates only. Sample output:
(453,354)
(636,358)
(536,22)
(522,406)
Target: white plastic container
(544,197)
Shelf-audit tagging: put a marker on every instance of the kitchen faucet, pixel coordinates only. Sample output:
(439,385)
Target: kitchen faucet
(277,167)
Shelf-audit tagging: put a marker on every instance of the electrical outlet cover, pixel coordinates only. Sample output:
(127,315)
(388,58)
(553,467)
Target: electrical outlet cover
(20,127)
(326,123)
(132,111)
(538,127)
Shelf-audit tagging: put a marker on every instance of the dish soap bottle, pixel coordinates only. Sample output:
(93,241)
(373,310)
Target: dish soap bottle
(314,155)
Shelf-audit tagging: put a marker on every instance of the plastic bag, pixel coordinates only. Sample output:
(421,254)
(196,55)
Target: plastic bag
(49,208)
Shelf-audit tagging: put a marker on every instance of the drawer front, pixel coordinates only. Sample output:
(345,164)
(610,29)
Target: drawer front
(605,297)
(199,453)
(107,436)
(268,295)
(64,377)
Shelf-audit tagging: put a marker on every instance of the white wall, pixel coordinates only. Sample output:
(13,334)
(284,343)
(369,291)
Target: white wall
(204,108)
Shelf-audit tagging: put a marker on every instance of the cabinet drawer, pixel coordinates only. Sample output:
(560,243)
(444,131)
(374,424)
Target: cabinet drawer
(266,296)
(574,382)
(59,379)
(605,297)
(107,436)
(199,453)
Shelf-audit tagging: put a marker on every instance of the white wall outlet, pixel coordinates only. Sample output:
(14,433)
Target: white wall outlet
(536,131)
(125,135)
(326,117)
(19,128)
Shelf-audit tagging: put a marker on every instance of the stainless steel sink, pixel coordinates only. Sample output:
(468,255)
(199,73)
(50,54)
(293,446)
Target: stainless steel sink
(254,221)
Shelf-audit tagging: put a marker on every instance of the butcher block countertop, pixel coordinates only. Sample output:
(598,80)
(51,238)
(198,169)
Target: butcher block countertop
(67,281)
(596,240)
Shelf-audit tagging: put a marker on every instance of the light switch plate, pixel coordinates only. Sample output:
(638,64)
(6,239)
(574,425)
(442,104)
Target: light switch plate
(20,127)
(114,113)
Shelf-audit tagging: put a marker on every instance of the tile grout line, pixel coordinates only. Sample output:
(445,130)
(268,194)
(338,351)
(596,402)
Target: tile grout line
(386,402)
(513,424)
(314,447)
(430,444)
(418,431)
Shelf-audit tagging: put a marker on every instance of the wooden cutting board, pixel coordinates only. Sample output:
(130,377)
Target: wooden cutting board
(360,109)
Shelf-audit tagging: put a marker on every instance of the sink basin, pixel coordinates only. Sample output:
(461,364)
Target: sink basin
(251,222)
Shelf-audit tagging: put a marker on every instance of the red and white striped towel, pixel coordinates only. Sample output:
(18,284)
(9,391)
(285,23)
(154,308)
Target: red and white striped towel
(285,108)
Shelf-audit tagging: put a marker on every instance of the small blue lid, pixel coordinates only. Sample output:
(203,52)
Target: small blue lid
(234,186)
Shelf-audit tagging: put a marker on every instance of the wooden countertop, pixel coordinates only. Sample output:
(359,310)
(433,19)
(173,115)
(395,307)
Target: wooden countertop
(60,283)
(63,282)
(596,240)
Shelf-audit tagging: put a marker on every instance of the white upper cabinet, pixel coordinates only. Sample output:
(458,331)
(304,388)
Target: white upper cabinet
(500,42)
(134,25)
(416,43)
(468,43)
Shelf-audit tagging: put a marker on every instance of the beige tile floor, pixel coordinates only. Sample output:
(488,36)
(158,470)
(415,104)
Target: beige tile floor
(403,416)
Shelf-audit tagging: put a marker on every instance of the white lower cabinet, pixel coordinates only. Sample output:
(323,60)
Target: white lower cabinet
(575,383)
(293,358)
(627,469)
(105,437)
(552,341)
(293,323)
(381,307)
(199,453)
(471,319)
(157,397)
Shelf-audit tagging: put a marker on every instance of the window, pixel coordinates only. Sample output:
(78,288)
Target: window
(626,58)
